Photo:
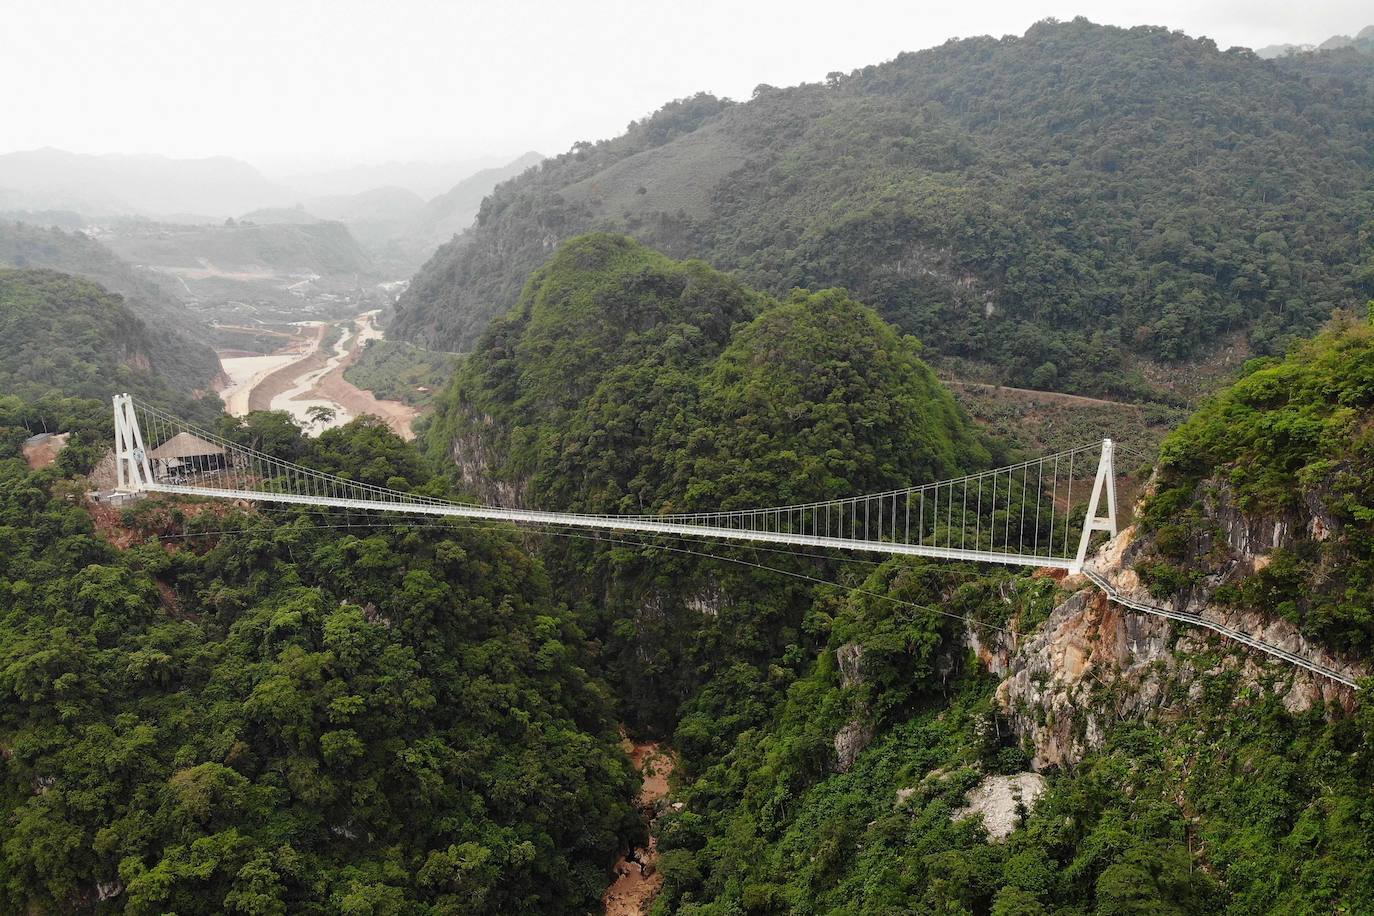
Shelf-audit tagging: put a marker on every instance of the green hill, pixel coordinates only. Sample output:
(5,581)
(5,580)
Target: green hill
(1064,208)
(625,381)
(273,247)
(69,337)
(1276,474)
(167,325)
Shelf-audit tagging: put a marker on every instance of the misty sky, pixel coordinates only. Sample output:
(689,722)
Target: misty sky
(298,83)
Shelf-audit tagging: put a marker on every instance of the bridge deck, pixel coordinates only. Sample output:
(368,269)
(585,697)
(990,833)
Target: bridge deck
(622,523)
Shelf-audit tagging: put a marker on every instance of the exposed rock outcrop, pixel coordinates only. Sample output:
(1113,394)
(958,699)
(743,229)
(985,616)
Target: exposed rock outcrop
(1001,802)
(849,658)
(850,742)
(1093,662)
(474,454)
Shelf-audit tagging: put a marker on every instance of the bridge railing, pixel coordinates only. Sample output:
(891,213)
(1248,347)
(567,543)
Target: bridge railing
(1037,510)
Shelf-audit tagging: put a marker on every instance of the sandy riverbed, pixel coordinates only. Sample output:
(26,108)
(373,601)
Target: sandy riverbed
(300,397)
(246,372)
(302,375)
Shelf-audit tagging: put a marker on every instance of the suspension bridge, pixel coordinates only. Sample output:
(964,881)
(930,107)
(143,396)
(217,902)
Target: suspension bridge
(1041,513)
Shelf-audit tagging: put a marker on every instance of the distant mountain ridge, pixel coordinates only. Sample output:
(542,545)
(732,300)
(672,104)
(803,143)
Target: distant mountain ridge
(116,184)
(400,228)
(423,179)
(1362,41)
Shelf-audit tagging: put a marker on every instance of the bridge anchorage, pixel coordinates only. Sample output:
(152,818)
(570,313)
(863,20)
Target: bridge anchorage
(1024,514)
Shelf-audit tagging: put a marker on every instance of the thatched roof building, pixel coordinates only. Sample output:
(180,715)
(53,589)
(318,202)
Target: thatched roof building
(183,446)
(185,454)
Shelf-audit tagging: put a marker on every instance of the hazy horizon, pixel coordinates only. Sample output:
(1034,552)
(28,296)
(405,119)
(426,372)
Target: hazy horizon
(321,87)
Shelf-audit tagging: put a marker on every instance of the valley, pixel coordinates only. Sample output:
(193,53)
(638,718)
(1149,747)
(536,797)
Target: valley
(944,486)
(304,377)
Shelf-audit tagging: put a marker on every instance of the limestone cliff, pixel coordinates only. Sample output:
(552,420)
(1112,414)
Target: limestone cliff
(1093,662)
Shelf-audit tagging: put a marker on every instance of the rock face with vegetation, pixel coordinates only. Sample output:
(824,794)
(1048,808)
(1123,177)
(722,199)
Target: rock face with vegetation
(1054,206)
(1265,497)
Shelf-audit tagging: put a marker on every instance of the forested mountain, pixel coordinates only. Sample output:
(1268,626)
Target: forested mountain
(166,324)
(66,336)
(215,706)
(1053,206)
(270,715)
(627,382)
(207,708)
(833,740)
(1181,778)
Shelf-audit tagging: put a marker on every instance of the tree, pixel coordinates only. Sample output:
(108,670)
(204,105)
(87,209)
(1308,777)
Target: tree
(320,415)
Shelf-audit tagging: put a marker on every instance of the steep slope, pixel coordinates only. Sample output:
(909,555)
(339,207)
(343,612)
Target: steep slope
(1052,205)
(173,331)
(626,381)
(67,336)
(1082,757)
(454,210)
(263,714)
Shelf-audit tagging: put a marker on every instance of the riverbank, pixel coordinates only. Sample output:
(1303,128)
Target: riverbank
(306,374)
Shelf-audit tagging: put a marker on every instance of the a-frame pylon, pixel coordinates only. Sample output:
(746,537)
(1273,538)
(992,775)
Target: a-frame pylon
(1105,484)
(131,459)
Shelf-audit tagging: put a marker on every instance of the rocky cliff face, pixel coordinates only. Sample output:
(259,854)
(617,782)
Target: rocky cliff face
(1093,662)
(473,451)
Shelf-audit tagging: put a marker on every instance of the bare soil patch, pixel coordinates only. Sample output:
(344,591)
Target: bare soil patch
(358,401)
(637,879)
(41,451)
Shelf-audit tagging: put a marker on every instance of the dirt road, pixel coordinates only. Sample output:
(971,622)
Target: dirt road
(1045,395)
